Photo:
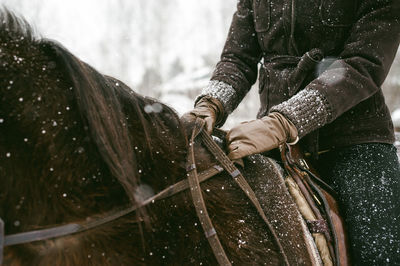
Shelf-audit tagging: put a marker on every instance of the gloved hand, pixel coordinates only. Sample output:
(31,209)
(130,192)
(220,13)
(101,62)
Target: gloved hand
(208,108)
(260,135)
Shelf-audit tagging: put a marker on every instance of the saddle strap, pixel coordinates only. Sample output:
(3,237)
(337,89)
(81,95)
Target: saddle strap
(199,203)
(335,222)
(313,201)
(228,165)
(321,200)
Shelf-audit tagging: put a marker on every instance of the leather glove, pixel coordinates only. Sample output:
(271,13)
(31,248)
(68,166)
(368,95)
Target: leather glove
(260,135)
(207,108)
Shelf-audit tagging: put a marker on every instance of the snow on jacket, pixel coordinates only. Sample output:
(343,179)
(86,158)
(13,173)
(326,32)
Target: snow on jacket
(322,65)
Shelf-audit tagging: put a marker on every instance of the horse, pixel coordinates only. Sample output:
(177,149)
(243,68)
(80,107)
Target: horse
(77,145)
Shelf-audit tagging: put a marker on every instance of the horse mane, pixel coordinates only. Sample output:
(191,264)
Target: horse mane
(14,27)
(110,111)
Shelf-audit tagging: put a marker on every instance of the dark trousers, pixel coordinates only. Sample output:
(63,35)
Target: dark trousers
(367,180)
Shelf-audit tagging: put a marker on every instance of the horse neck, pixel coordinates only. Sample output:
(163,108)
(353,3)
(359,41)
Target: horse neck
(53,174)
(52,171)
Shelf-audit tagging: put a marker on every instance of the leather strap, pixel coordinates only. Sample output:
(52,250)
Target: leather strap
(198,200)
(241,181)
(73,228)
(321,199)
(311,198)
(199,203)
(327,196)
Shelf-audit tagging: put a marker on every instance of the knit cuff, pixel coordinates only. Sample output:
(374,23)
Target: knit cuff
(224,93)
(308,110)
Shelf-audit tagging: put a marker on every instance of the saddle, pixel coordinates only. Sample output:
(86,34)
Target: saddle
(317,204)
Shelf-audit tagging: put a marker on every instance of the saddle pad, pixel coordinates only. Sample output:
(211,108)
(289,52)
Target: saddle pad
(308,214)
(267,180)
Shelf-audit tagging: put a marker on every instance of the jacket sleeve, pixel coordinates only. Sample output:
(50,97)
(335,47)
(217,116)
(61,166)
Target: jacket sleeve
(356,75)
(236,71)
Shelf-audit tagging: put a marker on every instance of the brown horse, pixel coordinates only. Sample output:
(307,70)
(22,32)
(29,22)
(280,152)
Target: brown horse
(76,145)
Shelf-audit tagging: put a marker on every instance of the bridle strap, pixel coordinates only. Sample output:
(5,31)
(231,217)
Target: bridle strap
(229,166)
(73,228)
(199,203)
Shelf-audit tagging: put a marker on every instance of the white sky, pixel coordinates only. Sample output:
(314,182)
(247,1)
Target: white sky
(89,28)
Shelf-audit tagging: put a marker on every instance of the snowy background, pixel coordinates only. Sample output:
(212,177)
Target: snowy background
(161,48)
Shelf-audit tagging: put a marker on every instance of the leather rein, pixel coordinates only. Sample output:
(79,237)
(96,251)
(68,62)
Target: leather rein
(198,200)
(192,182)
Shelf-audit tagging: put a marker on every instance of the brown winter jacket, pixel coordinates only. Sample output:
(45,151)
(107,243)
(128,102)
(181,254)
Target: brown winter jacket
(342,49)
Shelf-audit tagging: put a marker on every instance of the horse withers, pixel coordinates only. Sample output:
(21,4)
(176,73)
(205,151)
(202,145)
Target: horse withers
(78,147)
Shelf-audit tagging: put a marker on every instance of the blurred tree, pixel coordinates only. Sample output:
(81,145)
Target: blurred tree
(150,81)
(175,69)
